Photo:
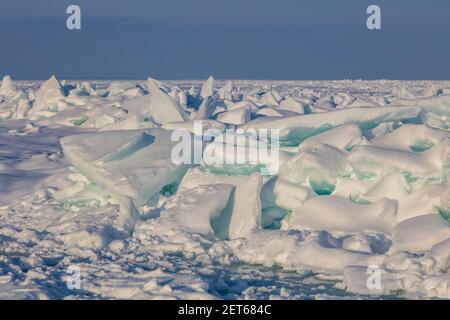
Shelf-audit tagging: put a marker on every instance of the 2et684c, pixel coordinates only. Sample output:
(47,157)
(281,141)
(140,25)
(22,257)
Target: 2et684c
(240,309)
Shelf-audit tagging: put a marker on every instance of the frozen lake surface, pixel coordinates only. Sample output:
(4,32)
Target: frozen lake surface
(355,204)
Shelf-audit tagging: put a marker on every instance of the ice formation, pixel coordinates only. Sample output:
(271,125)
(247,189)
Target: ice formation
(7,88)
(360,183)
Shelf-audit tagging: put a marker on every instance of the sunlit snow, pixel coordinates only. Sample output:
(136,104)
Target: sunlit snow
(87,179)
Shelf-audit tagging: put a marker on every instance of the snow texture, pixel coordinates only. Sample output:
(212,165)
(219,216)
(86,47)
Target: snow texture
(87,183)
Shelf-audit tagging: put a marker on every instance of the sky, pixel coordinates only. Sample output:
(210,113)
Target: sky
(229,39)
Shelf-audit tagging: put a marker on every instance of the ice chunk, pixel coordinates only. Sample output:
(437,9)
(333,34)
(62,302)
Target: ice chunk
(226,90)
(269,112)
(319,165)
(344,138)
(163,108)
(293,251)
(324,104)
(51,87)
(411,137)
(420,233)
(340,216)
(343,99)
(289,195)
(246,212)
(290,104)
(93,116)
(428,199)
(7,88)
(237,117)
(363,102)
(207,88)
(393,186)
(121,87)
(226,155)
(206,109)
(198,177)
(382,161)
(353,188)
(173,91)
(268,99)
(22,109)
(437,105)
(193,210)
(294,130)
(134,164)
(241,104)
(48,99)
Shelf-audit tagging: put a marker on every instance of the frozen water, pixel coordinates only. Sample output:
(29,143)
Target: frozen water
(87,181)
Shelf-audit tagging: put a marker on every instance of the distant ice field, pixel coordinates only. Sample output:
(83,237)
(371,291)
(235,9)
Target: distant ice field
(351,200)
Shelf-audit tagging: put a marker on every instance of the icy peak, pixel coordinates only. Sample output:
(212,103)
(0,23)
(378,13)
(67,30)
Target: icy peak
(226,90)
(7,86)
(164,108)
(48,99)
(52,85)
(208,88)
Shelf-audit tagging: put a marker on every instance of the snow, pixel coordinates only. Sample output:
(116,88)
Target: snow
(294,251)
(204,202)
(226,91)
(132,165)
(290,195)
(419,233)
(237,117)
(344,137)
(246,210)
(49,99)
(189,125)
(205,110)
(295,129)
(359,182)
(320,166)
(163,108)
(340,216)
(290,104)
(7,87)
(207,88)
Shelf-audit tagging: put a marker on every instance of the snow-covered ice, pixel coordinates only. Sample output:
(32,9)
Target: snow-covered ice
(359,183)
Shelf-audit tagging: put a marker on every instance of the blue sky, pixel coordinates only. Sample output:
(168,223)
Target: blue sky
(232,39)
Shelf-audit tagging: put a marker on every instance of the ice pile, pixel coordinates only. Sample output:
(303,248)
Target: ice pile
(360,191)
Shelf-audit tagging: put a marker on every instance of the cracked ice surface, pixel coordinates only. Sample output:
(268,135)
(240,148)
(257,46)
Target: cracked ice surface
(86,180)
